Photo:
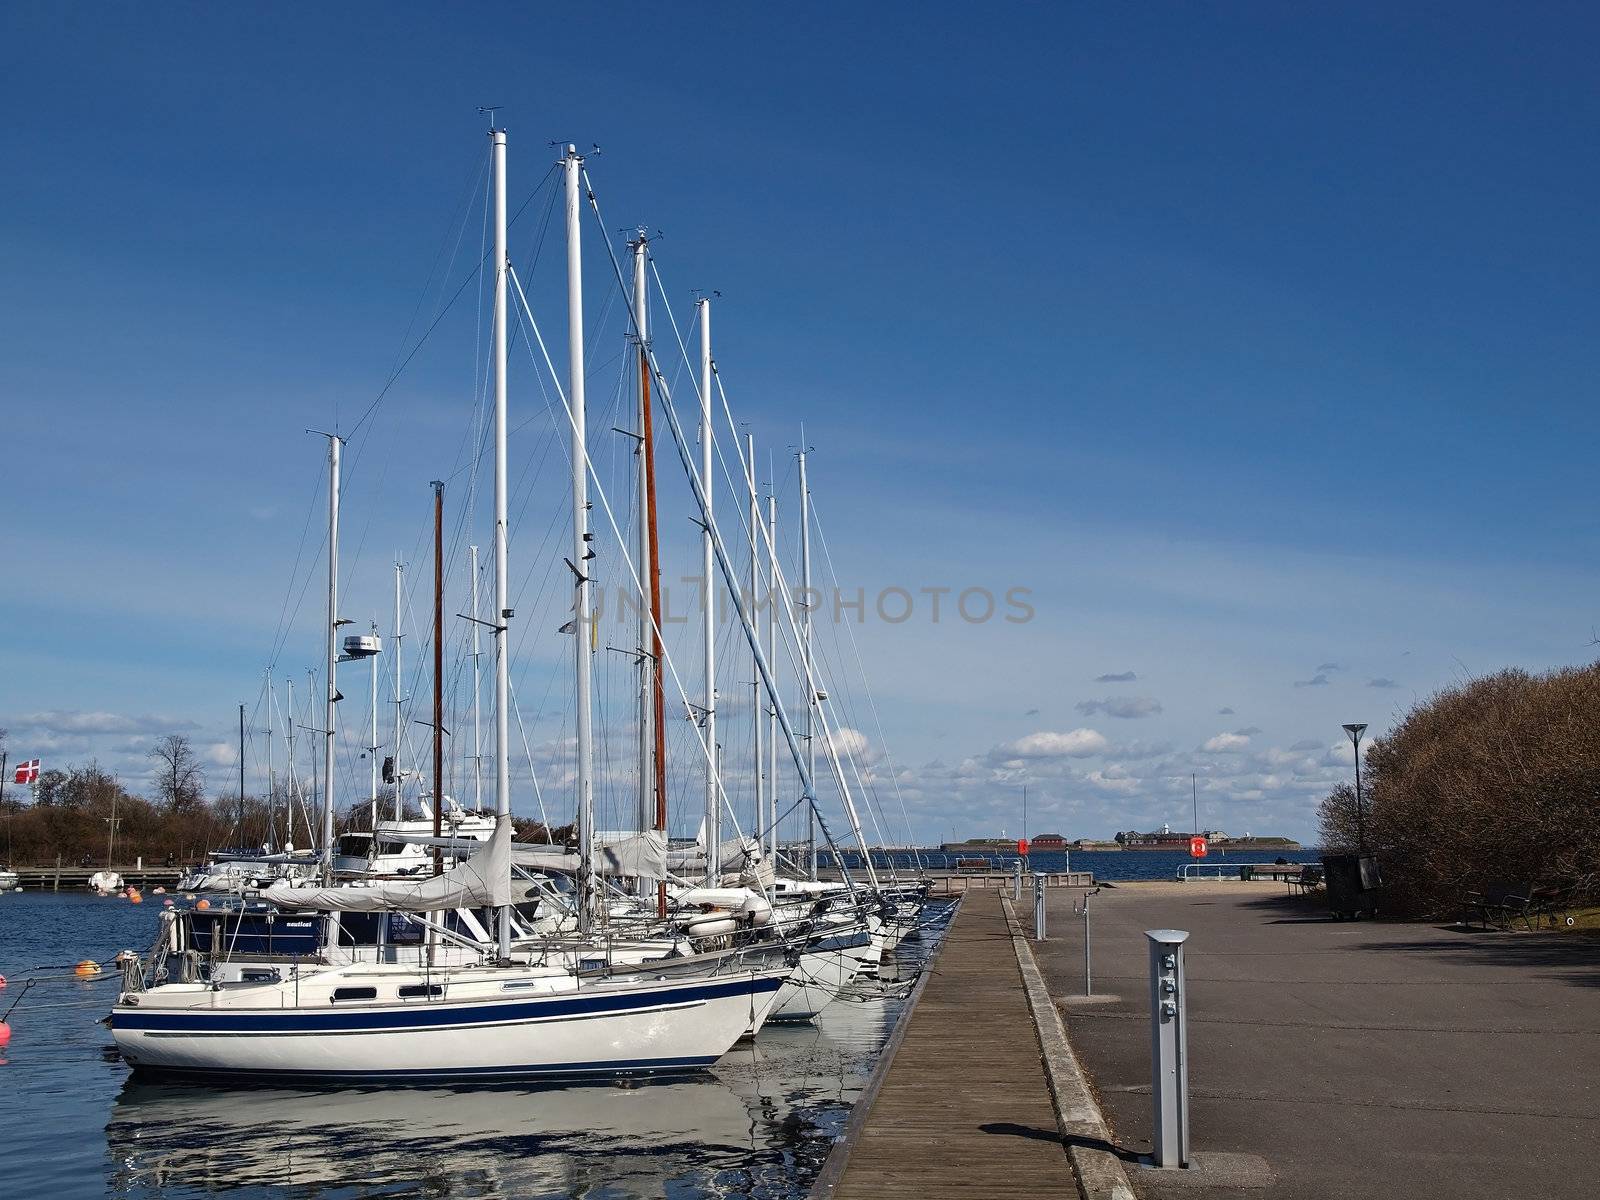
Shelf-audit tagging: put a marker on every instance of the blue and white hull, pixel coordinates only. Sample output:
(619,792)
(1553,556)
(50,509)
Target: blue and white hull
(483,1024)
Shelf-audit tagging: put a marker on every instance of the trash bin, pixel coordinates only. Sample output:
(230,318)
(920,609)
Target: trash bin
(1353,882)
(1246,874)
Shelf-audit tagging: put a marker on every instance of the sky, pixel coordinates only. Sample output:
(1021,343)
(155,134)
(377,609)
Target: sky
(1254,344)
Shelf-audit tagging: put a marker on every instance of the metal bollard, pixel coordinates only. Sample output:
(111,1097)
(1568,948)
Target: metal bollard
(1088,973)
(1169,1047)
(1016,882)
(1038,909)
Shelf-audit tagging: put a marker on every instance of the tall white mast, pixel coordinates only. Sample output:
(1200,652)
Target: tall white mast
(477,688)
(709,609)
(772,659)
(647,664)
(272,702)
(294,776)
(330,726)
(582,633)
(502,602)
(399,698)
(805,653)
(755,586)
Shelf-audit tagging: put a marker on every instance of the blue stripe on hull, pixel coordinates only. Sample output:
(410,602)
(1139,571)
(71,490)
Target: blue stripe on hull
(558,1071)
(429,1015)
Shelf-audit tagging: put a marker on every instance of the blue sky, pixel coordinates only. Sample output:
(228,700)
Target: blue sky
(1255,341)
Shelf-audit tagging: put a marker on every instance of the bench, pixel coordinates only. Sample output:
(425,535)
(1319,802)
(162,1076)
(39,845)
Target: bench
(1500,903)
(1310,878)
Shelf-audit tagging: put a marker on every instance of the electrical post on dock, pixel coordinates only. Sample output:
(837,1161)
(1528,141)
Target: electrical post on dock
(1169,1047)
(1016,882)
(1088,961)
(1038,908)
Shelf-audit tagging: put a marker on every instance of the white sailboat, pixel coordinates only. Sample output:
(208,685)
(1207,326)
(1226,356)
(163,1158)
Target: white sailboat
(474,1012)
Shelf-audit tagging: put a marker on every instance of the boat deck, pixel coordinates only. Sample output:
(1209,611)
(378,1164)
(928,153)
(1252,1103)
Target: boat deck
(963,1108)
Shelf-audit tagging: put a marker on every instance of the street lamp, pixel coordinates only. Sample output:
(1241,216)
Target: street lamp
(1355,731)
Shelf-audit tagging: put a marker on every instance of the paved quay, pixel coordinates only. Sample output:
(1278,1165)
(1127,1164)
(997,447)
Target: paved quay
(1341,1059)
(963,1108)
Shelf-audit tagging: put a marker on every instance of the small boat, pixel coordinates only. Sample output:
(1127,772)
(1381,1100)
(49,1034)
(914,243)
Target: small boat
(8,879)
(106,882)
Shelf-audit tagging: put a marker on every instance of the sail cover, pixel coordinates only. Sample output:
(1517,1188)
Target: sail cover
(480,881)
(638,856)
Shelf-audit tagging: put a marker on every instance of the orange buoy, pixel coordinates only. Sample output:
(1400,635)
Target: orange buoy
(87,967)
(135,898)
(202,905)
(5,1034)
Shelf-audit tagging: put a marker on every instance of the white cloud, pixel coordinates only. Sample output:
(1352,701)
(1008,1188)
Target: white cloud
(1079,743)
(1226,743)
(852,742)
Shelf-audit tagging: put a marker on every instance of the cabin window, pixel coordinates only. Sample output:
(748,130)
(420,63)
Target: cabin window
(355,993)
(403,931)
(353,845)
(359,929)
(415,991)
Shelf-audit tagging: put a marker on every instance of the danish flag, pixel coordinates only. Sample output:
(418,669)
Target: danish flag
(28,772)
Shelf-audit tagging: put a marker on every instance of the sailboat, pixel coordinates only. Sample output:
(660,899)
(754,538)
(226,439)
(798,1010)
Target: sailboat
(442,1006)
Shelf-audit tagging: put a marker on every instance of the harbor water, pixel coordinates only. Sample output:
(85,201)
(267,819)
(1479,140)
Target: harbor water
(1107,866)
(77,1124)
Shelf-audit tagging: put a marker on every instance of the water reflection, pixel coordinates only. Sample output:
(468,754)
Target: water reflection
(758,1125)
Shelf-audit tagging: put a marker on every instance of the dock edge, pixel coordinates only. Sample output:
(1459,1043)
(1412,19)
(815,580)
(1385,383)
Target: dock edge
(1099,1172)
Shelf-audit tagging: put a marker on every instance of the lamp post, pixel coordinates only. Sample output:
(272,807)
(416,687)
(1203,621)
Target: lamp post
(1355,731)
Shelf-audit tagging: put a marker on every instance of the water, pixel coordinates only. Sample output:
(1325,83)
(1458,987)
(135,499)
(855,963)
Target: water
(759,1124)
(1109,866)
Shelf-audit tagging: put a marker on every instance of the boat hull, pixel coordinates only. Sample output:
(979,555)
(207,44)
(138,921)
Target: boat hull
(625,1029)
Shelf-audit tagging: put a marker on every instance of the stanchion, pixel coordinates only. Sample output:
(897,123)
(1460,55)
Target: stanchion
(1038,909)
(1016,882)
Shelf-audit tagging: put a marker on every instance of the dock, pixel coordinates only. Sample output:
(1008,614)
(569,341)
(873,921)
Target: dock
(947,883)
(55,878)
(959,1105)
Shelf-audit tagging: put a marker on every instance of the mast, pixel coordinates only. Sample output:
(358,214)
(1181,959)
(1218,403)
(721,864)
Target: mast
(805,654)
(372,740)
(772,658)
(438,675)
(658,699)
(241,778)
(330,720)
(271,783)
(398,699)
(502,601)
(755,682)
(477,688)
(582,629)
(294,773)
(709,609)
(647,807)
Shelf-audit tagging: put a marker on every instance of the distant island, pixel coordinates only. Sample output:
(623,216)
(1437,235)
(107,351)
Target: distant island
(1164,838)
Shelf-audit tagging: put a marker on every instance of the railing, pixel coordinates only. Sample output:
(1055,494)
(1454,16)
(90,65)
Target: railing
(1273,871)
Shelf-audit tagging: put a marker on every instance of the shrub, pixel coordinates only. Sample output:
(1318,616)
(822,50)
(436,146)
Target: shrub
(1494,779)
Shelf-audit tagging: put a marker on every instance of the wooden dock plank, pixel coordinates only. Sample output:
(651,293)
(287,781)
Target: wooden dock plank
(964,1109)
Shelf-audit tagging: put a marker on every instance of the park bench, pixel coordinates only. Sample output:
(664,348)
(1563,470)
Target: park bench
(1500,903)
(1310,877)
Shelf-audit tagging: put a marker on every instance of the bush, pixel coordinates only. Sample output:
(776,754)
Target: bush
(1494,779)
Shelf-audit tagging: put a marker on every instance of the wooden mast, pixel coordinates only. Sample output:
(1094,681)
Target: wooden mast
(657,696)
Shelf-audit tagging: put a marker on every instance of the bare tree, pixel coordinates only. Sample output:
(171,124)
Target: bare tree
(180,781)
